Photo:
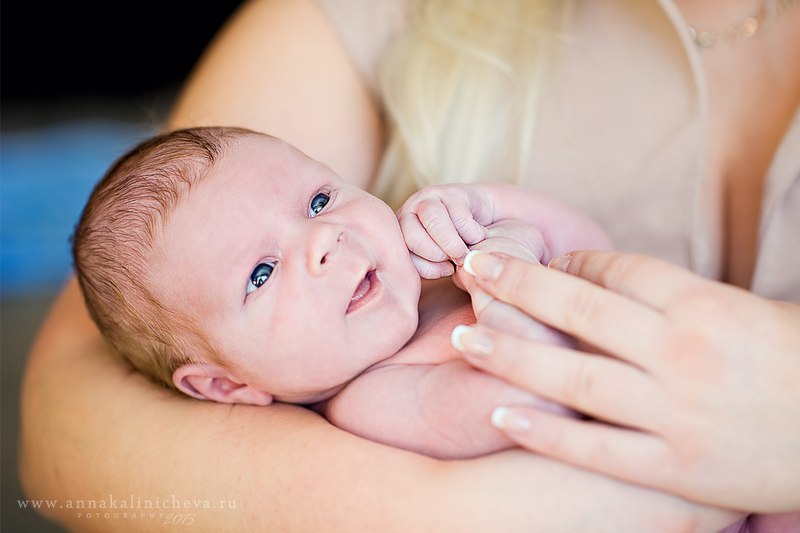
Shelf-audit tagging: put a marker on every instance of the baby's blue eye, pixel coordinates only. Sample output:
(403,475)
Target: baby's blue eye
(318,203)
(259,276)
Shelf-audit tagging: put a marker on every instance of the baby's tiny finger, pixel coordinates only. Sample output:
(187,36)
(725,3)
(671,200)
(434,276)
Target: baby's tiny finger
(417,239)
(435,218)
(432,270)
(469,229)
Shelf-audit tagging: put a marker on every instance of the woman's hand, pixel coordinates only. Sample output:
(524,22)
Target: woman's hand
(692,384)
(523,241)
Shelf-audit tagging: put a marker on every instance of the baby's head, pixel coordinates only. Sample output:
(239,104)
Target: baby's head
(229,265)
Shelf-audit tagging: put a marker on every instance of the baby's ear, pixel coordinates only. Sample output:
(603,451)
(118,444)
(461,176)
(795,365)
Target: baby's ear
(212,382)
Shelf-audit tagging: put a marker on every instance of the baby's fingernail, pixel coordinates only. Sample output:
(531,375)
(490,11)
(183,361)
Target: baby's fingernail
(468,339)
(561,262)
(483,265)
(505,418)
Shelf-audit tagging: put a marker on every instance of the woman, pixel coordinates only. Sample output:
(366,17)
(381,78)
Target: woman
(307,72)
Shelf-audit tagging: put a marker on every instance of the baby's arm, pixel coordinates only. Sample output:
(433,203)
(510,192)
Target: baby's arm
(441,222)
(563,228)
(440,410)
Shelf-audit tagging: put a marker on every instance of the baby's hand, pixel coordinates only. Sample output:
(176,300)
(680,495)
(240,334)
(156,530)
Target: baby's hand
(516,238)
(526,242)
(510,237)
(439,223)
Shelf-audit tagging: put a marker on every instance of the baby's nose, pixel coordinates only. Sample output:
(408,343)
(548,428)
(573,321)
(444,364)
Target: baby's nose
(324,242)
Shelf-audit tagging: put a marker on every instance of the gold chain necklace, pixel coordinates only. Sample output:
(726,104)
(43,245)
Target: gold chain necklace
(742,31)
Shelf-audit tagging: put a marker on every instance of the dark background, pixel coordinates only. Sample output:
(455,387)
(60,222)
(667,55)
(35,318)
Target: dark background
(77,83)
(58,50)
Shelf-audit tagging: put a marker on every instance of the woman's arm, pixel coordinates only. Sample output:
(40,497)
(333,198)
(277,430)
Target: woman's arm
(96,431)
(278,67)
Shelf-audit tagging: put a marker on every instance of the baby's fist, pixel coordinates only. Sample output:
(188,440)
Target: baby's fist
(440,222)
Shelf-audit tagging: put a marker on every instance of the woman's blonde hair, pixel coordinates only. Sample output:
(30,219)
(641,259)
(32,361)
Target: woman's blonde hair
(461,87)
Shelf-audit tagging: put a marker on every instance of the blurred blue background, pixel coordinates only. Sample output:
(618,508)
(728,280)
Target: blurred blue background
(47,175)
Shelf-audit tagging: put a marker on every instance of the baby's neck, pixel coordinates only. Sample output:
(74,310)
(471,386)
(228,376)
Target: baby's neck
(442,306)
(441,301)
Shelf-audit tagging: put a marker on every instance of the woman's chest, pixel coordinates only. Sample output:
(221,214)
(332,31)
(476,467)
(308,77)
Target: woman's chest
(668,151)
(753,95)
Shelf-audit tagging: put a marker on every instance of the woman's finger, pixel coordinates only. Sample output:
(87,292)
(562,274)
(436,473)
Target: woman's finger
(645,279)
(587,383)
(597,316)
(500,316)
(623,453)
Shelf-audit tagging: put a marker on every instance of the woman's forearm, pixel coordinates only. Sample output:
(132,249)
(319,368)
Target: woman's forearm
(96,433)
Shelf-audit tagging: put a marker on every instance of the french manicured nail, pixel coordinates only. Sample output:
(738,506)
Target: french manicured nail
(483,265)
(505,418)
(561,262)
(468,339)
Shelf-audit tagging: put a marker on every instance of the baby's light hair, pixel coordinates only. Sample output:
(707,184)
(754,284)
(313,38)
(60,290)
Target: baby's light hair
(461,88)
(113,243)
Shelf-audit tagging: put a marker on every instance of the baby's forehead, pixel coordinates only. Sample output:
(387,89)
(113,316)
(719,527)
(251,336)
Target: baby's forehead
(275,161)
(255,173)
(270,145)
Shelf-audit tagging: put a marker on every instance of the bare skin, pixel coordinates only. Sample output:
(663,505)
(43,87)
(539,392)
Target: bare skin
(283,477)
(754,90)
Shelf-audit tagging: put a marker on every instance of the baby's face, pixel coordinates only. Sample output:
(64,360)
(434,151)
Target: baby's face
(302,280)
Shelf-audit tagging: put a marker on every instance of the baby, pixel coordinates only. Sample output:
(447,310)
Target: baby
(230,266)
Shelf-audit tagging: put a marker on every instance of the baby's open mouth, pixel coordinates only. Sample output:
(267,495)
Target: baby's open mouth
(365,291)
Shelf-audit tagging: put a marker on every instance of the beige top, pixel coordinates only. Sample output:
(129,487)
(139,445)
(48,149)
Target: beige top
(622,136)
